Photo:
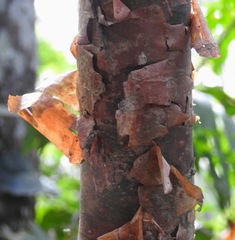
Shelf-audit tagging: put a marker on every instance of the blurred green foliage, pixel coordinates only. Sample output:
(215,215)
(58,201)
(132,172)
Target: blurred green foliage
(51,59)
(214,144)
(220,15)
(221,96)
(214,138)
(57,208)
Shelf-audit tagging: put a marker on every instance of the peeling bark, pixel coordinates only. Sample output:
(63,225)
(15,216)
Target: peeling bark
(134,88)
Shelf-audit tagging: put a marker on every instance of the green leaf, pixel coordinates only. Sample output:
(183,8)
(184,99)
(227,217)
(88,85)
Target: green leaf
(221,96)
(51,59)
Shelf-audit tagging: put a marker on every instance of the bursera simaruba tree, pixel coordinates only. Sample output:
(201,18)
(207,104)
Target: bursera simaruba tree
(134,90)
(135,124)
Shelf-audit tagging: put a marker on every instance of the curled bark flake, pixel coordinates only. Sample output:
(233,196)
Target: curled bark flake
(175,37)
(192,120)
(102,18)
(74,46)
(164,171)
(167,209)
(90,82)
(184,233)
(84,126)
(106,9)
(190,189)
(154,84)
(108,15)
(148,218)
(131,43)
(184,203)
(160,205)
(180,97)
(139,125)
(149,91)
(63,87)
(146,169)
(201,38)
(53,121)
(150,83)
(47,110)
(142,226)
(173,116)
(120,10)
(152,169)
(131,230)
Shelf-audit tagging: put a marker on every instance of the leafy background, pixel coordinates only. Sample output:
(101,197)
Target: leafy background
(57,205)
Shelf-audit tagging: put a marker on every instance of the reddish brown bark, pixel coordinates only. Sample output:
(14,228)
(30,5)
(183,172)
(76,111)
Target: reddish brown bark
(134,89)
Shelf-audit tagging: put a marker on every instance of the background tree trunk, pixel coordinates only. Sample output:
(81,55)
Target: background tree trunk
(134,88)
(18,63)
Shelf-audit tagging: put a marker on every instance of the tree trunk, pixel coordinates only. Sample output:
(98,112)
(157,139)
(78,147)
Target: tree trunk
(134,89)
(18,64)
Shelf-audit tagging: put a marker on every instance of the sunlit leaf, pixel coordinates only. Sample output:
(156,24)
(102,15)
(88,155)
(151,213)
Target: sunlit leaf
(221,96)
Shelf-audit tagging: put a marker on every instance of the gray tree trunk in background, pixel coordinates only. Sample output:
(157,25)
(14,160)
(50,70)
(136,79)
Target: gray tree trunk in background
(18,63)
